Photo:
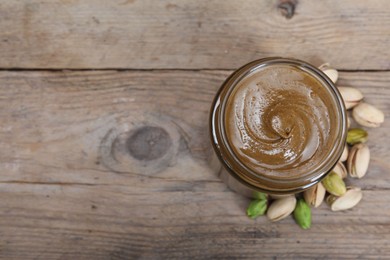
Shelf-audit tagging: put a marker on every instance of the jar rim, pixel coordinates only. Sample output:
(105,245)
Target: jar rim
(249,177)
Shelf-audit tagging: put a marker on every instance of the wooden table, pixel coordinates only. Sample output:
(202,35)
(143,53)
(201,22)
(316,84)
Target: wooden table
(78,79)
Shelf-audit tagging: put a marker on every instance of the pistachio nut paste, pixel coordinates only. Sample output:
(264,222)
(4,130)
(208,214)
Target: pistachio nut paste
(280,120)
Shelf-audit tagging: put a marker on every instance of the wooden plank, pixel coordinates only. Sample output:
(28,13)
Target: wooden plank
(351,34)
(72,188)
(174,225)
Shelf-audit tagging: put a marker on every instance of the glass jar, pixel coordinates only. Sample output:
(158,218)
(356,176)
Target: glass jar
(278,126)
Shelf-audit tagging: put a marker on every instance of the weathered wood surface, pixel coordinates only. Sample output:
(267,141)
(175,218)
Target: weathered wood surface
(114,164)
(350,34)
(71,189)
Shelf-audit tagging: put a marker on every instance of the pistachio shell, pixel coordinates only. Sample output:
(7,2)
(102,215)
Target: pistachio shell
(368,115)
(351,96)
(358,160)
(315,195)
(349,200)
(340,170)
(334,184)
(332,74)
(344,155)
(281,208)
(348,121)
(276,197)
(324,66)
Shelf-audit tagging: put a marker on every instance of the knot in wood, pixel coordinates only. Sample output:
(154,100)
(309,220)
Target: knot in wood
(287,8)
(149,143)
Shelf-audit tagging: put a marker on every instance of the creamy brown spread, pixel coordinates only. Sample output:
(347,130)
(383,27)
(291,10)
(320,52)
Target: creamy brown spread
(279,121)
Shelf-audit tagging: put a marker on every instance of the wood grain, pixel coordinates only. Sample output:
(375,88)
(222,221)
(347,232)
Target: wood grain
(147,34)
(71,190)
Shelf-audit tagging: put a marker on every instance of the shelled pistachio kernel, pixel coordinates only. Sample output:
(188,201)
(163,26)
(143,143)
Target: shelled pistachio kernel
(302,214)
(356,135)
(256,208)
(334,184)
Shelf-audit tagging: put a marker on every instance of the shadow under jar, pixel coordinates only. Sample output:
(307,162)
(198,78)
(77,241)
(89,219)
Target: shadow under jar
(278,126)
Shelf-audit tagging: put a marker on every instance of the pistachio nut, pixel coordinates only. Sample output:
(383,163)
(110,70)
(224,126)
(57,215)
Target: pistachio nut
(334,184)
(324,66)
(348,121)
(344,155)
(358,160)
(351,96)
(368,115)
(260,195)
(332,74)
(315,195)
(276,197)
(340,170)
(302,214)
(330,199)
(256,208)
(356,135)
(281,208)
(350,199)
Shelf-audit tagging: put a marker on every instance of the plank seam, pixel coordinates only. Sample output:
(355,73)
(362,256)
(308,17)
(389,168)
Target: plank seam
(154,69)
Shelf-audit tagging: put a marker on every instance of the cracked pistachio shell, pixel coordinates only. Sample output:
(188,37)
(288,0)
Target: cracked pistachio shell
(276,197)
(281,208)
(332,74)
(348,121)
(344,155)
(368,115)
(350,199)
(340,170)
(358,160)
(351,96)
(315,195)
(334,184)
